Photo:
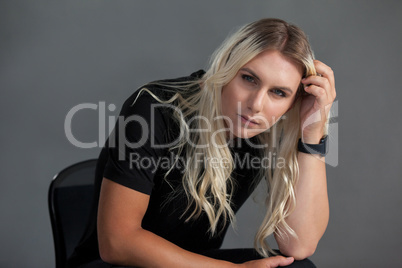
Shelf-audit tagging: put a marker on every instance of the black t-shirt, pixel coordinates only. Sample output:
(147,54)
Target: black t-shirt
(137,155)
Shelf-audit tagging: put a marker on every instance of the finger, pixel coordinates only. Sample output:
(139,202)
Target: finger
(320,94)
(316,80)
(326,72)
(279,261)
(322,82)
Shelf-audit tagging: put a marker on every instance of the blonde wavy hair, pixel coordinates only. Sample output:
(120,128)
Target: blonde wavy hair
(209,189)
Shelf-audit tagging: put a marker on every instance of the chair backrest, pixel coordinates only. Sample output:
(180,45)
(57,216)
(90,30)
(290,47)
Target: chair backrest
(70,200)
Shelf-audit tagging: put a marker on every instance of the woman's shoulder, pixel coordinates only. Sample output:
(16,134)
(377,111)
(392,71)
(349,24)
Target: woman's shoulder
(160,90)
(166,88)
(193,76)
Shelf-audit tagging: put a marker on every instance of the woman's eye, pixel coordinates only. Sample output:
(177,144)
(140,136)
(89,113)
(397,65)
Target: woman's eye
(279,92)
(248,78)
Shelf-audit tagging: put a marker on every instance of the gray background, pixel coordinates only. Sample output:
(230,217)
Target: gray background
(57,54)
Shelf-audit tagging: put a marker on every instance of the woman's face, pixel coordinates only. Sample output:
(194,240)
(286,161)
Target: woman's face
(260,93)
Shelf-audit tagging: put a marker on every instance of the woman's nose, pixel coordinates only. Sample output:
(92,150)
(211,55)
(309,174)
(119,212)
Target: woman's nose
(256,101)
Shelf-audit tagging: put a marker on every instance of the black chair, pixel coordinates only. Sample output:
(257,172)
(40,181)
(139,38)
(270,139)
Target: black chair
(70,199)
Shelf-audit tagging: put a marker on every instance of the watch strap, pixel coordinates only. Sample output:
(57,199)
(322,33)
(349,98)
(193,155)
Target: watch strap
(321,148)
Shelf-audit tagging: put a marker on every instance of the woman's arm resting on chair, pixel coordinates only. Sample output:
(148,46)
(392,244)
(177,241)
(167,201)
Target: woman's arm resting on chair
(122,241)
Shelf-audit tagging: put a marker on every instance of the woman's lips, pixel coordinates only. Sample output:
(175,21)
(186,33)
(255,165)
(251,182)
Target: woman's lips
(248,121)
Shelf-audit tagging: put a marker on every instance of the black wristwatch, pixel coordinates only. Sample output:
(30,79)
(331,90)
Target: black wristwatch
(321,148)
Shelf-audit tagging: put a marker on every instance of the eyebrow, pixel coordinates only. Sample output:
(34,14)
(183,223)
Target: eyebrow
(256,76)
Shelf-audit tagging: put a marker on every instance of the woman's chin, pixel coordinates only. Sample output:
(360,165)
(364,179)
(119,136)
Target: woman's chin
(244,133)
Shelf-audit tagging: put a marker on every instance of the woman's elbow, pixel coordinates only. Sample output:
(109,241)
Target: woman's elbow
(304,253)
(109,251)
(299,253)
(106,253)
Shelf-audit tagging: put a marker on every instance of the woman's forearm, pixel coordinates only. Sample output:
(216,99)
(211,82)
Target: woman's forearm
(310,217)
(145,249)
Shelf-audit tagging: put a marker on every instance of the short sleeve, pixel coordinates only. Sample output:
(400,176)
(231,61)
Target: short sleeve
(137,143)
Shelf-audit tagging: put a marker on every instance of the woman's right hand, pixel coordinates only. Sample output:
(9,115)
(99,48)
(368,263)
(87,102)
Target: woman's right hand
(268,262)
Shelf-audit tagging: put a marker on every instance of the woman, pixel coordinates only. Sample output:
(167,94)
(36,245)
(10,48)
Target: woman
(186,153)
